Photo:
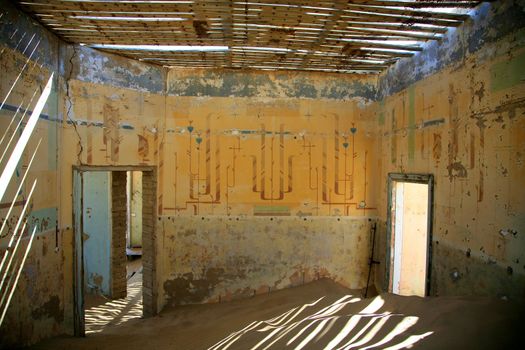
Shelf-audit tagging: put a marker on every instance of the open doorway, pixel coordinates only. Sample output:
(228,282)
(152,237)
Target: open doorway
(134,214)
(114,214)
(409,228)
(134,268)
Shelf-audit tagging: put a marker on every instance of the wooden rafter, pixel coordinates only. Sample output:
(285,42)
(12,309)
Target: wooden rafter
(337,35)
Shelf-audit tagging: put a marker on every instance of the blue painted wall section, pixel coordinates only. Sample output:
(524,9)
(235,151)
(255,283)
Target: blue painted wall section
(488,23)
(43,219)
(18,30)
(98,67)
(231,83)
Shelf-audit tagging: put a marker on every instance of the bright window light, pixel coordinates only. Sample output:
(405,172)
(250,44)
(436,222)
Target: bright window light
(385,50)
(163,48)
(260,48)
(318,14)
(273,26)
(131,19)
(16,155)
(388,42)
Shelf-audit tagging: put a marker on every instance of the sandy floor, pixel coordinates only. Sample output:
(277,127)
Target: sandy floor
(319,315)
(101,313)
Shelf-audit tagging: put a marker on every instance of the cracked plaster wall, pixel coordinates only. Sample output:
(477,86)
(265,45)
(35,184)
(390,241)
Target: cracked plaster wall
(37,307)
(461,117)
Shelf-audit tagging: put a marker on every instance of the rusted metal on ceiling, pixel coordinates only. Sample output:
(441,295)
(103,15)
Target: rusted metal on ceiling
(334,36)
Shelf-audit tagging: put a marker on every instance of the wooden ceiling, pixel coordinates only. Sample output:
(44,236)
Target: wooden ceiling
(334,36)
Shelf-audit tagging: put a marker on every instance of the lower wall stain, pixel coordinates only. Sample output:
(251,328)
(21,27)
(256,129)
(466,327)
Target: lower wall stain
(50,309)
(190,290)
(227,258)
(455,272)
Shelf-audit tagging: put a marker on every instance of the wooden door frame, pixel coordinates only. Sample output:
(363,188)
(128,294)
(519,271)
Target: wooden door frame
(149,255)
(427,179)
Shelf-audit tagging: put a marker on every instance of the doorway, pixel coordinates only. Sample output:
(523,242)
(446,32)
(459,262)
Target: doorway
(134,214)
(409,231)
(114,265)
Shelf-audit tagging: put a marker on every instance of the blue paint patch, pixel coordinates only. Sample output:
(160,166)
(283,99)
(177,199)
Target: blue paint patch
(260,132)
(20,33)
(102,68)
(489,23)
(249,84)
(222,84)
(43,219)
(28,111)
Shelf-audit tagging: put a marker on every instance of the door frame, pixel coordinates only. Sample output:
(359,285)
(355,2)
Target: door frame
(427,179)
(149,255)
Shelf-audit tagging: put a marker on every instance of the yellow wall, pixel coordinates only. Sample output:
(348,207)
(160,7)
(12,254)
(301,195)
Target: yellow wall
(36,301)
(249,156)
(247,183)
(460,117)
(465,125)
(297,146)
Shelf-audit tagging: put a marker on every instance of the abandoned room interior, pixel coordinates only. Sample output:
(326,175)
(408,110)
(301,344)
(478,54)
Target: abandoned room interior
(262,174)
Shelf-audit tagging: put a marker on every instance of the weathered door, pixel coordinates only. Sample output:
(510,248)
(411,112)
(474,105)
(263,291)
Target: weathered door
(96,214)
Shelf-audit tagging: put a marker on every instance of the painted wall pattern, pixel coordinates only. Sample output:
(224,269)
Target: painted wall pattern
(239,156)
(465,124)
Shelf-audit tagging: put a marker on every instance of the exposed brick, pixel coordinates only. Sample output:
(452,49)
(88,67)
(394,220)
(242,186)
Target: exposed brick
(118,236)
(149,216)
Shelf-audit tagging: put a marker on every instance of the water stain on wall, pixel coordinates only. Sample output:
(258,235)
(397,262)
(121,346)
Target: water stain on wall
(50,309)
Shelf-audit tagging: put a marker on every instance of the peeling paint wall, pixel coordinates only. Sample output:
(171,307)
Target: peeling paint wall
(259,84)
(111,119)
(251,164)
(489,23)
(28,56)
(221,258)
(465,124)
(17,30)
(316,162)
(108,125)
(267,180)
(92,66)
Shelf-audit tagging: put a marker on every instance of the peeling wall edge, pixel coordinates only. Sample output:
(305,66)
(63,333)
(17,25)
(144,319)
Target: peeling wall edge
(98,67)
(28,32)
(218,82)
(489,23)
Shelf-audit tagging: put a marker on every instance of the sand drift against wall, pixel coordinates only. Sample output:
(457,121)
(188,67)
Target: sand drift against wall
(318,315)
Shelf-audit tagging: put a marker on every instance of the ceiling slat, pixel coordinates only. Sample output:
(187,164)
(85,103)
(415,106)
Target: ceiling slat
(327,35)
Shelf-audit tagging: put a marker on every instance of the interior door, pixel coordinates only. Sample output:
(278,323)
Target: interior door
(96,209)
(78,260)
